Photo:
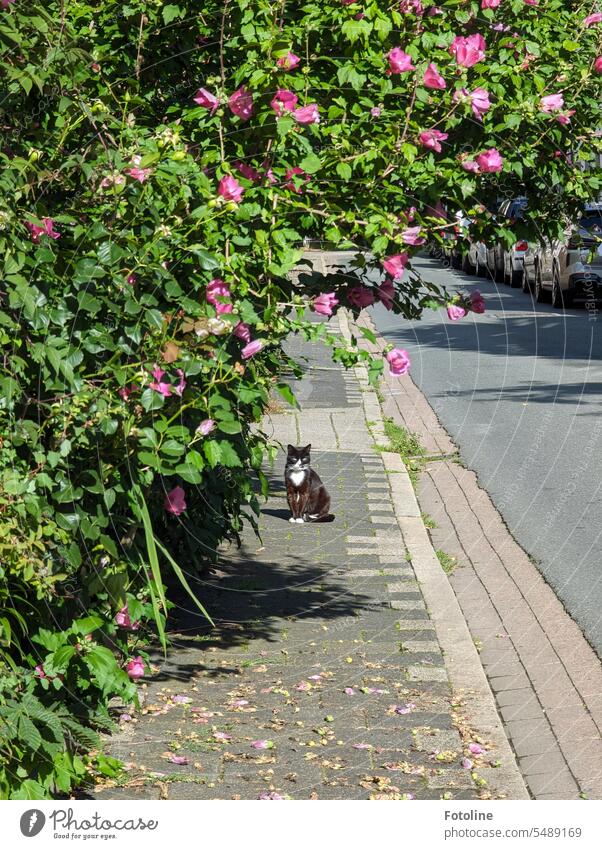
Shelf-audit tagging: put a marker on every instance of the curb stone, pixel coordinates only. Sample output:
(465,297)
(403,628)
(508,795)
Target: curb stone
(466,674)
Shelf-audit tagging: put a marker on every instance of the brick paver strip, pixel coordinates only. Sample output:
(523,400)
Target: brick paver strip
(312,685)
(546,670)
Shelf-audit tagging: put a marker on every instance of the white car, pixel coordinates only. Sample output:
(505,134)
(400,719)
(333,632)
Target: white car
(570,269)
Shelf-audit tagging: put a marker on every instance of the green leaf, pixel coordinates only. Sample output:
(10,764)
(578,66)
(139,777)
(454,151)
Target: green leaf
(287,393)
(229,457)
(152,400)
(311,163)
(343,169)
(171,12)
(229,426)
(87,625)
(206,260)
(212,452)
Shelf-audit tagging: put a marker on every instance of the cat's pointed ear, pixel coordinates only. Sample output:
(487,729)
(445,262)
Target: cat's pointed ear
(290,448)
(308,447)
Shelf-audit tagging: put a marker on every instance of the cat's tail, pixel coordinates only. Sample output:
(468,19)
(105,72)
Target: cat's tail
(327,517)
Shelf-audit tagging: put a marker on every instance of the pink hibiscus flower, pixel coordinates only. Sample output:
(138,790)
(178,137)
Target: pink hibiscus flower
(140,174)
(478,99)
(230,189)
(307,114)
(411,7)
(386,293)
(399,361)
(565,117)
(551,103)
(175,501)
(432,77)
(399,62)
(468,50)
(47,229)
(284,101)
(360,297)
(411,236)
(205,427)
(490,161)
(593,19)
(241,103)
(122,619)
(248,171)
(135,668)
(158,385)
(218,295)
(295,172)
(325,303)
(288,62)
(395,265)
(455,312)
(242,331)
(431,139)
(251,349)
(477,303)
(206,99)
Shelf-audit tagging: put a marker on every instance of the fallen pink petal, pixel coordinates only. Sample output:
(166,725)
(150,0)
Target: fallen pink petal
(262,744)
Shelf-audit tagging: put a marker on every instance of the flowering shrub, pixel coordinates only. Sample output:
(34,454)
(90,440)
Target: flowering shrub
(161,165)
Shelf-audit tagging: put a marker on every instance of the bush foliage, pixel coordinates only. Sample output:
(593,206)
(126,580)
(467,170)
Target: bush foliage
(161,165)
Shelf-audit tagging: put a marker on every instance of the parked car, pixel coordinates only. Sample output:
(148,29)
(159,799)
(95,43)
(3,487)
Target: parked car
(477,259)
(508,265)
(474,260)
(570,269)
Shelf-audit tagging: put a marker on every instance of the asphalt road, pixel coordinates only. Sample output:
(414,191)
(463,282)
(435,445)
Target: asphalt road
(519,389)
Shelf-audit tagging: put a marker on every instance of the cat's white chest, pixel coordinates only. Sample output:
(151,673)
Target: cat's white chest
(297,478)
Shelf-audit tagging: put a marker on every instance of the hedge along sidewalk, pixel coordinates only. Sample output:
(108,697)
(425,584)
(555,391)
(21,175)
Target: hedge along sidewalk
(546,678)
(324,678)
(466,675)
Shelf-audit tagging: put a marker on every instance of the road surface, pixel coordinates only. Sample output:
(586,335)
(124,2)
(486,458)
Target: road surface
(519,389)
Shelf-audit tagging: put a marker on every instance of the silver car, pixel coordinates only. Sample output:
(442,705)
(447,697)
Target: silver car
(570,269)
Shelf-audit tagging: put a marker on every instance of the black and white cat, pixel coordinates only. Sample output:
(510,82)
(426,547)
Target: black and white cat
(307,496)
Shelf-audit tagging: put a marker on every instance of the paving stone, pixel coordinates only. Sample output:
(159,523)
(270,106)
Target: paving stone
(301,616)
(425,673)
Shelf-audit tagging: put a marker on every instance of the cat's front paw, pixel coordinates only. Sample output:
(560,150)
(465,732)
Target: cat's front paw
(299,521)
(292,519)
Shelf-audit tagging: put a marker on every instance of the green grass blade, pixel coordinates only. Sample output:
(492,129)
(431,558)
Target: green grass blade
(184,582)
(153,561)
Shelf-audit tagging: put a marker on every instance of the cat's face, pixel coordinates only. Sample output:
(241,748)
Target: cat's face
(298,458)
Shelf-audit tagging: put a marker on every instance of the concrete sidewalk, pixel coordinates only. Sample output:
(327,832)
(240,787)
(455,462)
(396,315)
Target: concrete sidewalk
(546,678)
(325,676)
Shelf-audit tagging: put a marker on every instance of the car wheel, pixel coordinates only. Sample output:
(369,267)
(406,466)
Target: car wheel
(560,299)
(516,278)
(467,266)
(499,271)
(482,270)
(540,293)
